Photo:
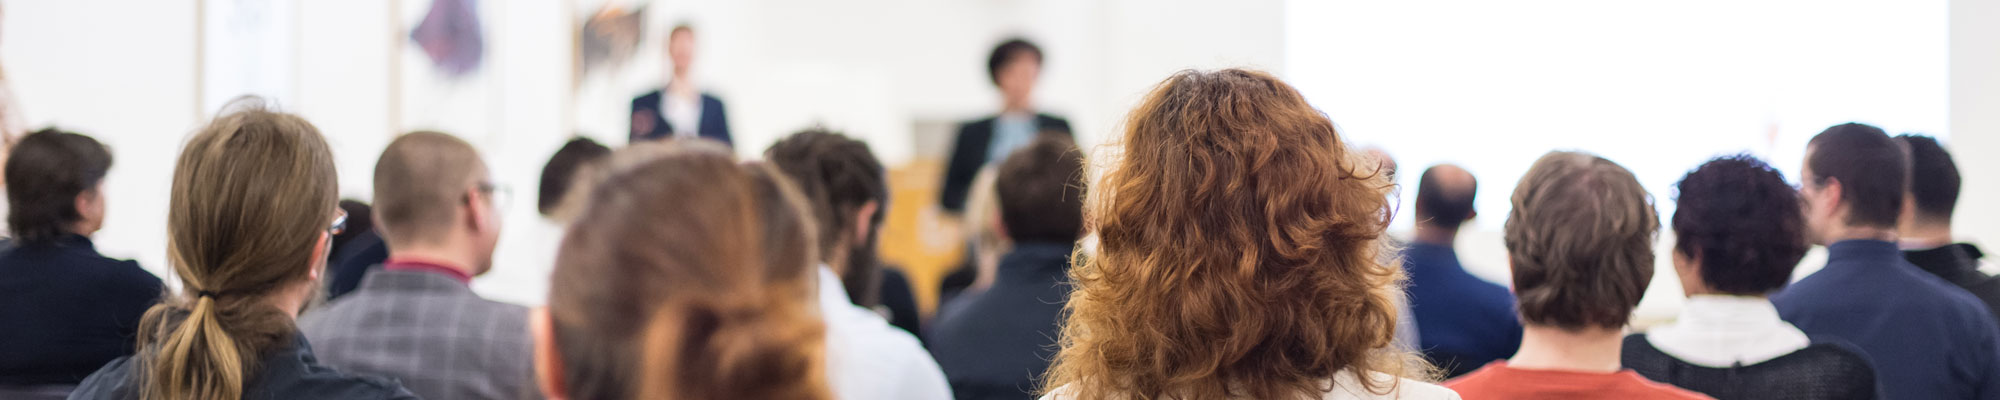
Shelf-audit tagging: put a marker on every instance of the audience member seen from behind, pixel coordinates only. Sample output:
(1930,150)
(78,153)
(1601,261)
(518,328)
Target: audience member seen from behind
(1738,232)
(567,177)
(980,223)
(417,318)
(845,189)
(1925,225)
(249,219)
(1014,67)
(1464,322)
(694,282)
(1580,240)
(1239,256)
(69,309)
(996,343)
(679,109)
(1926,338)
(357,250)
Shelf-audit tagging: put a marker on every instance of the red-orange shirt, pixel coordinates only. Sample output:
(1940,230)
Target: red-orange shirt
(1497,381)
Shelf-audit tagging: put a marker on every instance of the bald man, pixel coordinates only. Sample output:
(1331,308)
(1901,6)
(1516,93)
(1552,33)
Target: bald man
(1463,322)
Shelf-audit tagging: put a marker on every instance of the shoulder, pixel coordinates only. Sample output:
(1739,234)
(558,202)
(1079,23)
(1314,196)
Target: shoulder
(648,99)
(113,381)
(985,123)
(130,274)
(709,100)
(1051,120)
(1404,389)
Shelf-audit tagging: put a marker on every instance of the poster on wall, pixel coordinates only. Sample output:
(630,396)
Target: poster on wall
(613,50)
(248,47)
(445,80)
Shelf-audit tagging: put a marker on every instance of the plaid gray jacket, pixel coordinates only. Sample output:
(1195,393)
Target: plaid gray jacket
(431,332)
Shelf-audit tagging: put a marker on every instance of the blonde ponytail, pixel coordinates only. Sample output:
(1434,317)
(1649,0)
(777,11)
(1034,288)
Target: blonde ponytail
(196,360)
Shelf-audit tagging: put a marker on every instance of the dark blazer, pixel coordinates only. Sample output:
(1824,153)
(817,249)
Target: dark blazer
(1463,322)
(997,343)
(432,332)
(288,373)
(646,113)
(352,261)
(1959,264)
(1828,369)
(968,155)
(1926,338)
(67,310)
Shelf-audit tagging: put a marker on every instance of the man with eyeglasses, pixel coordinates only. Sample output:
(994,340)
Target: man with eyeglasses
(417,318)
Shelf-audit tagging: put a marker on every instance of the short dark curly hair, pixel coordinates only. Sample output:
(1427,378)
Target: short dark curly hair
(46,172)
(1041,191)
(1742,222)
(1006,52)
(837,175)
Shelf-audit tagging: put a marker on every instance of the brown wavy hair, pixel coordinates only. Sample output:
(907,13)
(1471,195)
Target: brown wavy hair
(1238,254)
(689,276)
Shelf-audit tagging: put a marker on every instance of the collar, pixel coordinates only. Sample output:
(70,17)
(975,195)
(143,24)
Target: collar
(424,265)
(831,293)
(1719,331)
(1847,255)
(1946,260)
(1035,261)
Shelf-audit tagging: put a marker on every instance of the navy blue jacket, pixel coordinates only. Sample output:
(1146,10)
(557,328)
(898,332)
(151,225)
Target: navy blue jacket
(1463,322)
(67,310)
(995,344)
(646,112)
(1927,339)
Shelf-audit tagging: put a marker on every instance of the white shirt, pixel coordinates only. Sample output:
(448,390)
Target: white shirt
(1345,388)
(683,113)
(868,359)
(1722,331)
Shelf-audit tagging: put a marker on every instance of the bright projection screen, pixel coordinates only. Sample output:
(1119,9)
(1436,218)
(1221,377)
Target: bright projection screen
(1656,86)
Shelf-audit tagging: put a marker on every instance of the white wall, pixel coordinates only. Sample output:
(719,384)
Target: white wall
(1975,117)
(871,67)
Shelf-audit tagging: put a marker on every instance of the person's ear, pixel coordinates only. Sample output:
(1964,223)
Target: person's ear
(864,220)
(320,255)
(548,365)
(1688,271)
(1831,199)
(478,210)
(999,225)
(1470,214)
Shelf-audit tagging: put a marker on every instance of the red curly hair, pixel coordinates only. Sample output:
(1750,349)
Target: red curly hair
(1239,255)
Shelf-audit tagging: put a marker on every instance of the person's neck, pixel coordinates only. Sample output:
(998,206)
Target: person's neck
(1846,233)
(291,300)
(458,259)
(1016,108)
(1593,350)
(1923,235)
(1433,235)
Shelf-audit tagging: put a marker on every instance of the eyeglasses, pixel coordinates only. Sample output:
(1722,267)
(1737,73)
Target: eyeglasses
(339,224)
(496,194)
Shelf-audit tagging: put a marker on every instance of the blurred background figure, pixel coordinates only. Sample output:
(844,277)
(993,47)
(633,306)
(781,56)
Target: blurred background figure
(1738,232)
(567,178)
(845,188)
(1234,231)
(68,309)
(356,251)
(1580,240)
(982,226)
(679,109)
(1015,66)
(695,283)
(1925,226)
(417,319)
(1464,322)
(996,343)
(252,213)
(1926,338)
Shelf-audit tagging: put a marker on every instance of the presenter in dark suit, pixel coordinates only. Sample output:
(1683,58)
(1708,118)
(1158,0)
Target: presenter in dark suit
(680,109)
(1015,65)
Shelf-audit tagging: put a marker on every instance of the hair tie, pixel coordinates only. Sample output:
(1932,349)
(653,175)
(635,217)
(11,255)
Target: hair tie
(204,293)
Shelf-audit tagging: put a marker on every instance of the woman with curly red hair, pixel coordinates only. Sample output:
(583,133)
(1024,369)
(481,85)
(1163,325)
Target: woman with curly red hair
(1238,257)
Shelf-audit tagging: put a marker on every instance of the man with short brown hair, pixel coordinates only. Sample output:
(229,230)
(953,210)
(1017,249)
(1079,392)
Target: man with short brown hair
(417,318)
(1580,240)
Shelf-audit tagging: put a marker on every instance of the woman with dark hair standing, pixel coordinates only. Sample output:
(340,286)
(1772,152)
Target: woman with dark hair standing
(691,278)
(69,309)
(1738,232)
(1239,257)
(250,218)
